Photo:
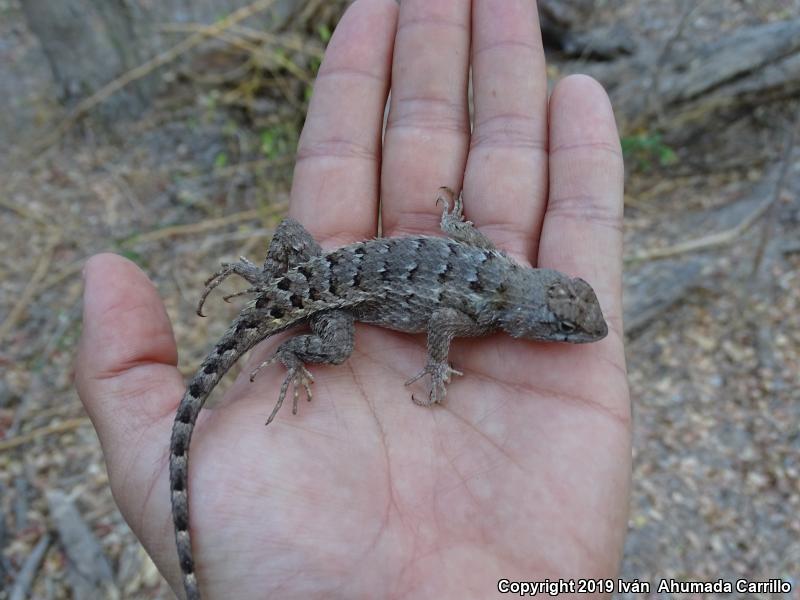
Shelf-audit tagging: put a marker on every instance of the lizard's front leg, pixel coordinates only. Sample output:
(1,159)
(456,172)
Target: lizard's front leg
(243,268)
(444,325)
(330,342)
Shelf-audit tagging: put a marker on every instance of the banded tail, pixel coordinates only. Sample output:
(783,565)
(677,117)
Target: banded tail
(245,333)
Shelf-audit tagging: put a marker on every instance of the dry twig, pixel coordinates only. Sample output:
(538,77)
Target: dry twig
(24,299)
(256,164)
(66,272)
(23,211)
(51,429)
(192,228)
(727,236)
(75,267)
(296,43)
(705,242)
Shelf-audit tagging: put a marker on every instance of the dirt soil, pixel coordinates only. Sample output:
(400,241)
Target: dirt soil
(714,373)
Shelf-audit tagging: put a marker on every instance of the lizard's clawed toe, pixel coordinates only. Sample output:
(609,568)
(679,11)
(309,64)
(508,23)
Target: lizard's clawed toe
(270,361)
(297,376)
(440,376)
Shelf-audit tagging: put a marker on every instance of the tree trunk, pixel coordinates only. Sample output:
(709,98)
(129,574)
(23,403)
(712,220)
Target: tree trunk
(89,43)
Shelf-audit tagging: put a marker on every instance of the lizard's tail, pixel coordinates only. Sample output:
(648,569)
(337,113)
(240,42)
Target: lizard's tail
(243,335)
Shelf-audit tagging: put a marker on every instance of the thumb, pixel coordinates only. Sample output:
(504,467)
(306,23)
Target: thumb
(125,370)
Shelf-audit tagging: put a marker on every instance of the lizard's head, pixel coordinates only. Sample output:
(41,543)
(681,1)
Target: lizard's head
(554,307)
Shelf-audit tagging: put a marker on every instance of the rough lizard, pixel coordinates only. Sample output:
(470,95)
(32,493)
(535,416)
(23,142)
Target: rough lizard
(455,286)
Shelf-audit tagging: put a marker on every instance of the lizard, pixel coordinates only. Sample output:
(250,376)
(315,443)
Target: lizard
(447,287)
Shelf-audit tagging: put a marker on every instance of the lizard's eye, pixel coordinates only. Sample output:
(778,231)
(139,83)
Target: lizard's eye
(566,327)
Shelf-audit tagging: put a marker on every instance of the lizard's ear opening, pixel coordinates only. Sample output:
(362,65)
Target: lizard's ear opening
(567,327)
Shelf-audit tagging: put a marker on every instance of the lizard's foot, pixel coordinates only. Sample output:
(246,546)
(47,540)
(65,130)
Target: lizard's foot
(440,376)
(243,268)
(297,376)
(453,223)
(447,196)
(330,342)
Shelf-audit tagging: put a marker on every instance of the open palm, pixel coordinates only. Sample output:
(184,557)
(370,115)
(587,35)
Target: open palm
(523,472)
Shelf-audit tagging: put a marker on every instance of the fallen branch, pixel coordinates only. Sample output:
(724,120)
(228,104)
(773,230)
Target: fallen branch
(750,66)
(202,226)
(654,100)
(769,222)
(89,571)
(26,574)
(705,242)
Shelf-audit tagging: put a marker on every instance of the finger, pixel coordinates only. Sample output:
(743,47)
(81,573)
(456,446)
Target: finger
(582,230)
(427,130)
(336,178)
(505,184)
(125,369)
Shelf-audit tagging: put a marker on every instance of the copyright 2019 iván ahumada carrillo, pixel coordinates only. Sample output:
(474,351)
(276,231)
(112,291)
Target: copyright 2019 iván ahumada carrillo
(554,587)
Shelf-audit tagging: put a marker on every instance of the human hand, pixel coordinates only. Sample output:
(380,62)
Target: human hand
(524,472)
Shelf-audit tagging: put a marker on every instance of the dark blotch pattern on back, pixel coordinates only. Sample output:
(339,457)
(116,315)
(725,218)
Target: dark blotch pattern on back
(226,346)
(249,324)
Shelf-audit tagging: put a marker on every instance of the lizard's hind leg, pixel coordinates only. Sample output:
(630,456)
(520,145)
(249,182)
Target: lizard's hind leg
(291,245)
(330,342)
